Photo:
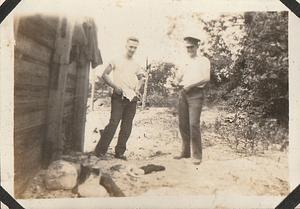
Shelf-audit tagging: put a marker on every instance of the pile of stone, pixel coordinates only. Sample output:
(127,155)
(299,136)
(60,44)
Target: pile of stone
(83,179)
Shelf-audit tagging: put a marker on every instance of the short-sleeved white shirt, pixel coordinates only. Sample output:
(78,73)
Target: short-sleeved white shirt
(194,70)
(125,73)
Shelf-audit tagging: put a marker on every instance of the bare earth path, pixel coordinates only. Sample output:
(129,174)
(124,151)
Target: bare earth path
(155,140)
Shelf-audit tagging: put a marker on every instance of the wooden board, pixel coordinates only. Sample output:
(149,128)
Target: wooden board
(30,120)
(28,106)
(26,169)
(30,67)
(29,92)
(82,87)
(68,110)
(30,48)
(37,29)
(33,51)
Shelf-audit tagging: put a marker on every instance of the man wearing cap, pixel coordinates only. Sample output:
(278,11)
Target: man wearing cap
(193,77)
(125,84)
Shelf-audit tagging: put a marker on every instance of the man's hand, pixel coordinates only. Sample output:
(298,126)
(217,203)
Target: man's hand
(118,90)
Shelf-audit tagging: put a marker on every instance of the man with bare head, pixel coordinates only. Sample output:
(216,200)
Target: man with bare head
(125,84)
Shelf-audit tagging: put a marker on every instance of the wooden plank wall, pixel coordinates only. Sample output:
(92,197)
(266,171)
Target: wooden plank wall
(34,47)
(50,99)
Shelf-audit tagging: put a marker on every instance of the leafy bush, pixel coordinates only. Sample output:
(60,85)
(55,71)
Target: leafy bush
(245,134)
(159,89)
(261,81)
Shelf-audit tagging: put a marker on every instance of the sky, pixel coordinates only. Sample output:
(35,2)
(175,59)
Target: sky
(149,20)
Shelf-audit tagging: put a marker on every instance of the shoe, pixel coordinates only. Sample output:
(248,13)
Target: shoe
(197,161)
(180,157)
(122,157)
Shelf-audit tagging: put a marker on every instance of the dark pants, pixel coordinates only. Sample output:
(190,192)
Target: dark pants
(121,110)
(189,112)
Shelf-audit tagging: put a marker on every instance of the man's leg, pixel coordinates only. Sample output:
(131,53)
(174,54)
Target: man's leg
(184,128)
(109,131)
(126,127)
(195,100)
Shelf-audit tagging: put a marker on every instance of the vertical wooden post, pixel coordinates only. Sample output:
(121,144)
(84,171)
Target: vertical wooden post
(81,95)
(53,146)
(93,89)
(145,86)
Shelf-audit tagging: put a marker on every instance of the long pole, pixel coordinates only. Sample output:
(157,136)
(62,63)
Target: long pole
(145,86)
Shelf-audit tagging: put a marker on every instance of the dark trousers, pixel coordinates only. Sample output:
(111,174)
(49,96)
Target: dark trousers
(189,112)
(121,110)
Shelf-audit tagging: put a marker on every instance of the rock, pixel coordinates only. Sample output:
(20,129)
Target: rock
(92,188)
(61,175)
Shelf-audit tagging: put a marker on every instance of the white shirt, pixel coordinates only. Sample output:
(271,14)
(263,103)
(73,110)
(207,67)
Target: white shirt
(194,70)
(125,73)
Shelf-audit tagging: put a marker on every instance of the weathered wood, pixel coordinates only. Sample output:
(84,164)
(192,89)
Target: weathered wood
(30,120)
(29,58)
(69,96)
(30,102)
(68,110)
(24,107)
(51,22)
(82,87)
(28,67)
(29,91)
(71,90)
(25,145)
(37,29)
(71,81)
(29,79)
(22,136)
(111,187)
(93,89)
(26,169)
(73,73)
(33,51)
(70,102)
(46,23)
(27,154)
(29,47)
(54,136)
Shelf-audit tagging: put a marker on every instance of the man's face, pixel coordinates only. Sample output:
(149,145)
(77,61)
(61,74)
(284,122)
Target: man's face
(191,49)
(131,47)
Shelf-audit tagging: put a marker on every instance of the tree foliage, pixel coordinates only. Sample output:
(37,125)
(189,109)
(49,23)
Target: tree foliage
(260,79)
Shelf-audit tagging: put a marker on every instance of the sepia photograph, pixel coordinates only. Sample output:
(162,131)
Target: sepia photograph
(127,98)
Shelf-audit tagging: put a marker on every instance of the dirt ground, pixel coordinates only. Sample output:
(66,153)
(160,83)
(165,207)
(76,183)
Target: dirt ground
(155,139)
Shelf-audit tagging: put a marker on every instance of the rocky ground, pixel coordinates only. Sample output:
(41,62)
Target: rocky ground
(155,140)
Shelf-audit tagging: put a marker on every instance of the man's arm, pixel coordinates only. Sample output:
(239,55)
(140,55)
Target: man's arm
(141,79)
(109,82)
(187,88)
